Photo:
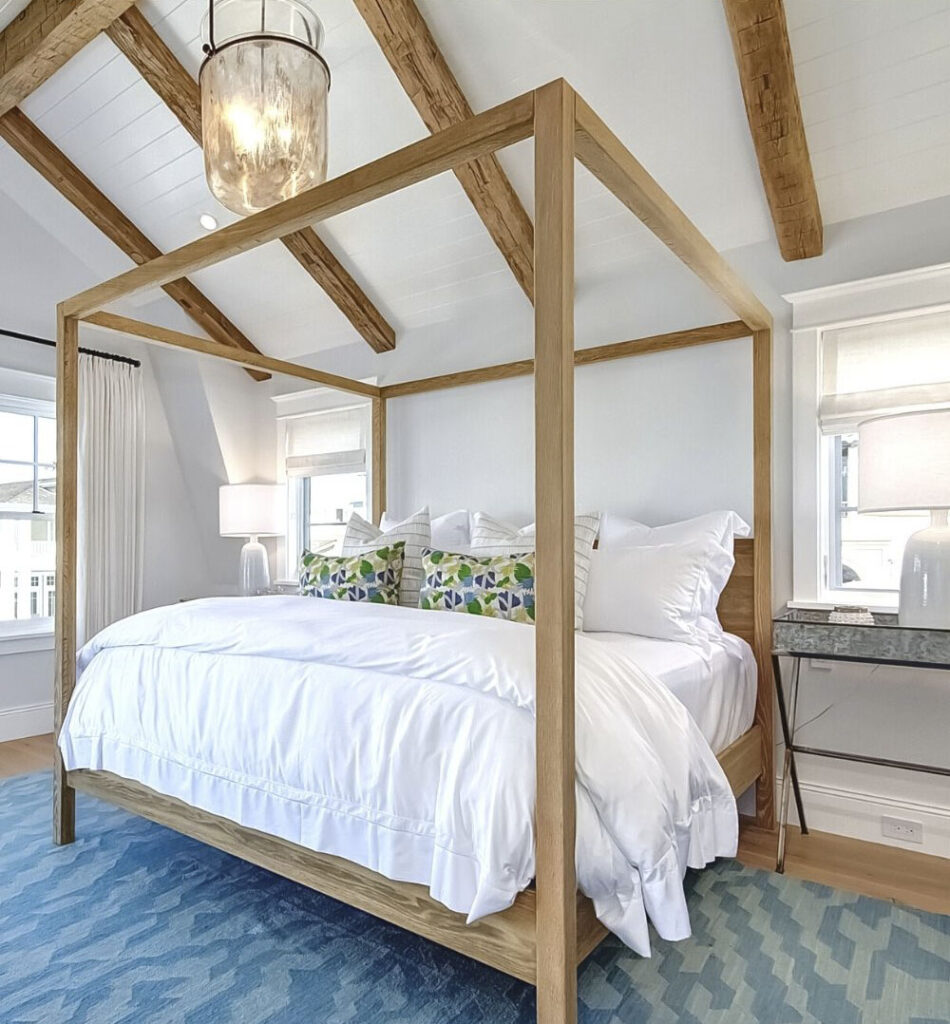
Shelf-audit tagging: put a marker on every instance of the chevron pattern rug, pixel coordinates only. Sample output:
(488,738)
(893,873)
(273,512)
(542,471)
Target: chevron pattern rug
(133,924)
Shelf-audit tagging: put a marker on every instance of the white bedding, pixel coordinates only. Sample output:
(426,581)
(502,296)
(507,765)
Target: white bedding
(403,740)
(716,682)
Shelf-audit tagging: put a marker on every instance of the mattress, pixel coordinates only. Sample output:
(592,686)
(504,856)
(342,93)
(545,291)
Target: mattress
(716,683)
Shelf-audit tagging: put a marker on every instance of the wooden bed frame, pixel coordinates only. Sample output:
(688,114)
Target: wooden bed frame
(551,928)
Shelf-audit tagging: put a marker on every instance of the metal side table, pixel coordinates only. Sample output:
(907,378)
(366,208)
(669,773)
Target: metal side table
(798,634)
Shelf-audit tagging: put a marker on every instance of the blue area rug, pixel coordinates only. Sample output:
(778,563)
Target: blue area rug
(136,924)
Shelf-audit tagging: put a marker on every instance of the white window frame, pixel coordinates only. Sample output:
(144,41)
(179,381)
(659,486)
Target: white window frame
(871,300)
(19,636)
(290,405)
(299,515)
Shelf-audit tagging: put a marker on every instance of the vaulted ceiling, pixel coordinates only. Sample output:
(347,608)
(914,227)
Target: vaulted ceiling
(875,101)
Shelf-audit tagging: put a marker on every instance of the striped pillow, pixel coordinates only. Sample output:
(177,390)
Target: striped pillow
(490,536)
(362,537)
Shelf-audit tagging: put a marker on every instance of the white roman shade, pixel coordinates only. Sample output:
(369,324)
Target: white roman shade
(884,368)
(325,443)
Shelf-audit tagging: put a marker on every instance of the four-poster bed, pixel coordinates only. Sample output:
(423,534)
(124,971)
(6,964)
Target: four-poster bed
(550,928)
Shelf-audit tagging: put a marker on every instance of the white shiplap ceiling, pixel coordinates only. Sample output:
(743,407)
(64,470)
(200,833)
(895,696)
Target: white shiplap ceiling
(874,81)
(874,77)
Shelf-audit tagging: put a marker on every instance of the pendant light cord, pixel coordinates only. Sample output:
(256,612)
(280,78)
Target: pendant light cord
(209,45)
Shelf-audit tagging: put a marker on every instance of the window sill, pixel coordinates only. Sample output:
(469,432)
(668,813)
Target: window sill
(872,602)
(18,638)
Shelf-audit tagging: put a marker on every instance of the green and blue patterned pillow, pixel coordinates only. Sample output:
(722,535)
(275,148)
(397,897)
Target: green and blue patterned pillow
(498,586)
(370,576)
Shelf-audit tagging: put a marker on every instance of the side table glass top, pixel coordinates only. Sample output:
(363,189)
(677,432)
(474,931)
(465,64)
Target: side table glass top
(811,633)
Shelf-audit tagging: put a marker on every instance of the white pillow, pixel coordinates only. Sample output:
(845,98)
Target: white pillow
(451,532)
(650,590)
(361,536)
(717,530)
(491,536)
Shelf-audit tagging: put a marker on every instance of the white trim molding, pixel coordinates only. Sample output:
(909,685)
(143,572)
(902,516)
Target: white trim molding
(856,814)
(306,401)
(871,298)
(28,720)
(17,638)
(34,387)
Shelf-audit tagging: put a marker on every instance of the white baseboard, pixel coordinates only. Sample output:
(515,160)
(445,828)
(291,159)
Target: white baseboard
(29,720)
(847,812)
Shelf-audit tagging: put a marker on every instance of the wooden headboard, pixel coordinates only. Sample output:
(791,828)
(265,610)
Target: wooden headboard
(737,603)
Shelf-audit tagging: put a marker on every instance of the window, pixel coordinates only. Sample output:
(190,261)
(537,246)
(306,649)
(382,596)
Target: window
(326,503)
(865,551)
(27,508)
(847,370)
(326,467)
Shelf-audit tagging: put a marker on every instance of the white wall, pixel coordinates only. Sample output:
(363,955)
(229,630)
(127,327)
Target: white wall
(475,446)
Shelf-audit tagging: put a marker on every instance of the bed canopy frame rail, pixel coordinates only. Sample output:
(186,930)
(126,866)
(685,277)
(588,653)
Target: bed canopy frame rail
(543,937)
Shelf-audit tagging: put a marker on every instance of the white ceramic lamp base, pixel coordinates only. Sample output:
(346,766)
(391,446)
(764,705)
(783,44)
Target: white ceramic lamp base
(925,576)
(255,572)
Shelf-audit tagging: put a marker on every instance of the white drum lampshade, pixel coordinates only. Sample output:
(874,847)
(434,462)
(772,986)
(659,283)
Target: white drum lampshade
(905,466)
(252,511)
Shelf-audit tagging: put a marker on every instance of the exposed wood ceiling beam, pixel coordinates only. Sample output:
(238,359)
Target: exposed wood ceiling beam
(38,151)
(43,36)
(767,74)
(134,35)
(407,43)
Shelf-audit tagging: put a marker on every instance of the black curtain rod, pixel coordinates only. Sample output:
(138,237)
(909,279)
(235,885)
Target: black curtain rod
(85,351)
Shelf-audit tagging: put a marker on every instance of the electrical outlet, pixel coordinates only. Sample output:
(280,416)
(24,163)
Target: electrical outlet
(901,828)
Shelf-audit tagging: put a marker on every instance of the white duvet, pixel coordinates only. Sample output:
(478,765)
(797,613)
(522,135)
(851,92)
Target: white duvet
(403,740)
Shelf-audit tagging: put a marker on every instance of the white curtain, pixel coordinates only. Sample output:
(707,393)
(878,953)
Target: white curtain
(890,366)
(111,493)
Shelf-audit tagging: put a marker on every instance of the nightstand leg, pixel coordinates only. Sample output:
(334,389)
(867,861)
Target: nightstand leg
(793,764)
(790,769)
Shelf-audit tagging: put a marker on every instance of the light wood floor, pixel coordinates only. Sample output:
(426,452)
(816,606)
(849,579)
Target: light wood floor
(884,872)
(30,755)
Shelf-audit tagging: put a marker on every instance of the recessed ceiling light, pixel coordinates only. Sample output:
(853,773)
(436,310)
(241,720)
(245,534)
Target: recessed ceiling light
(208,222)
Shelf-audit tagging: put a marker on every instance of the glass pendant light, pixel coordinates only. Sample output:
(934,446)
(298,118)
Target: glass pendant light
(264,92)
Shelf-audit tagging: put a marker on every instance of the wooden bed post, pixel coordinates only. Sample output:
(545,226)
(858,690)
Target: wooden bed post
(378,482)
(762,556)
(67,460)
(554,508)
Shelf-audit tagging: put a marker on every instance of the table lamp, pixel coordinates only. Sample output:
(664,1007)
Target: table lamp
(904,465)
(252,511)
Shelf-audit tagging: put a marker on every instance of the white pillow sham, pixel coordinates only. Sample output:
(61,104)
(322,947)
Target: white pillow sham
(715,530)
(451,532)
(650,590)
(491,536)
(361,536)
